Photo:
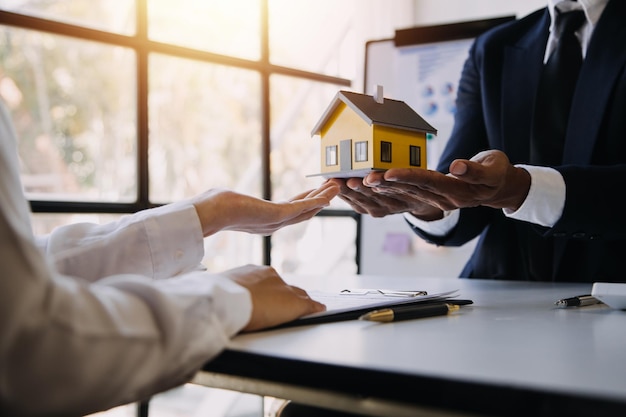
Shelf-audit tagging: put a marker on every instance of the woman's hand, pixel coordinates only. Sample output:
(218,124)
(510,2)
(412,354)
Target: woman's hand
(220,209)
(273,301)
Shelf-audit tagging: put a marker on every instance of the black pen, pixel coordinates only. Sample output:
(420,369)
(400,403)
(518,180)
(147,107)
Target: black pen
(578,301)
(409,312)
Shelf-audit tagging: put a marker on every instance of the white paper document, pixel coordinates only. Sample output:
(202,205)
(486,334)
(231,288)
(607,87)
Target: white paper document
(343,301)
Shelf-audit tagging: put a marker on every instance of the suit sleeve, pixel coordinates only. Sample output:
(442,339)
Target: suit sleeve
(468,137)
(590,209)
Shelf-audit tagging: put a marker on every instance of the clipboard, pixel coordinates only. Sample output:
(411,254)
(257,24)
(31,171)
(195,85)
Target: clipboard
(353,312)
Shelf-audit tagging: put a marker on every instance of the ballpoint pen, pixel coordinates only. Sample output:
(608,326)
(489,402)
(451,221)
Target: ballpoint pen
(578,301)
(409,312)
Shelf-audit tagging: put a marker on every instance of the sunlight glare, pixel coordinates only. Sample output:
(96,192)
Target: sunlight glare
(226,27)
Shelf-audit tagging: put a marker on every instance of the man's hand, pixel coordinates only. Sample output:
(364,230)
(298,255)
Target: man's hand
(377,197)
(488,179)
(273,301)
(493,180)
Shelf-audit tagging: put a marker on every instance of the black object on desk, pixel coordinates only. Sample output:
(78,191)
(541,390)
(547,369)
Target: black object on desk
(409,312)
(356,313)
(578,301)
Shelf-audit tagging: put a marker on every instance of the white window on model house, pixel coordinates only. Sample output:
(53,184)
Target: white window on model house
(385,151)
(360,151)
(331,155)
(415,156)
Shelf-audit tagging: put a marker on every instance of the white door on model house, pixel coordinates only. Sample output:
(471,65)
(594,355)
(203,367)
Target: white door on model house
(345,155)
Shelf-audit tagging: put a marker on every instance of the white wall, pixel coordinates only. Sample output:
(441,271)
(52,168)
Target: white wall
(376,19)
(429,12)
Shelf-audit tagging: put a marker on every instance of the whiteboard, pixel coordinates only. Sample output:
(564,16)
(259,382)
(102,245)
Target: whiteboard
(424,76)
(422,67)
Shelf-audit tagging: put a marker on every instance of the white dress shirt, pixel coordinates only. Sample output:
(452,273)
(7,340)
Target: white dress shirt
(546,197)
(94,316)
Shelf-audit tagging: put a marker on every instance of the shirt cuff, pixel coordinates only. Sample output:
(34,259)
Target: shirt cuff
(439,227)
(546,197)
(200,293)
(228,295)
(175,237)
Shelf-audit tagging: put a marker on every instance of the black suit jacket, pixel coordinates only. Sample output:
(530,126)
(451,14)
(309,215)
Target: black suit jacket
(495,110)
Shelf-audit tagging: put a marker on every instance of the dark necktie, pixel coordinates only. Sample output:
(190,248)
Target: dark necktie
(556,88)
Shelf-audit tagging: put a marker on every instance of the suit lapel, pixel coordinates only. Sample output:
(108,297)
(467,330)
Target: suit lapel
(603,64)
(520,76)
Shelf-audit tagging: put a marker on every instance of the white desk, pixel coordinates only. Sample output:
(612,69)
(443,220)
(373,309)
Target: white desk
(510,353)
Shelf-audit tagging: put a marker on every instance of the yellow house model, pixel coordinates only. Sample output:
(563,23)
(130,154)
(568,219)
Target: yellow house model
(361,133)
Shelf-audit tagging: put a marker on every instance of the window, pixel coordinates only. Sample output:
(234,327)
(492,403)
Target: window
(360,151)
(331,155)
(126,105)
(385,151)
(63,106)
(415,156)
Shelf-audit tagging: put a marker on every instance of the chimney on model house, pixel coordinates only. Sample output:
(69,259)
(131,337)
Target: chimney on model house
(378,94)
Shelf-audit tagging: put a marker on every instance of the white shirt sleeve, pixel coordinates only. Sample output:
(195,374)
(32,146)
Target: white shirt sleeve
(546,197)
(69,346)
(543,204)
(439,227)
(159,243)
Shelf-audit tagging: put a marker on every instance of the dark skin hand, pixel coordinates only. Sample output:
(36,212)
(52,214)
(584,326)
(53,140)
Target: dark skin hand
(487,179)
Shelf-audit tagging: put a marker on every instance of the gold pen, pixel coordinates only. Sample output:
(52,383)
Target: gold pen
(409,312)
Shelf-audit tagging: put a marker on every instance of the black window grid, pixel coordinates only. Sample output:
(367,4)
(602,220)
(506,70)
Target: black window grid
(143,46)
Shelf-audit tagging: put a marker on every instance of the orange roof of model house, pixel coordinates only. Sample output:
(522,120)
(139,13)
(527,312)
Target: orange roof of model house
(360,133)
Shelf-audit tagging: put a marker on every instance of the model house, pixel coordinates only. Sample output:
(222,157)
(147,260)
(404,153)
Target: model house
(361,133)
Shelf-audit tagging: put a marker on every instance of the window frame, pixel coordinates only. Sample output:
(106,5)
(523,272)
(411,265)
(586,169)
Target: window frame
(143,47)
(415,156)
(331,156)
(385,151)
(360,151)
